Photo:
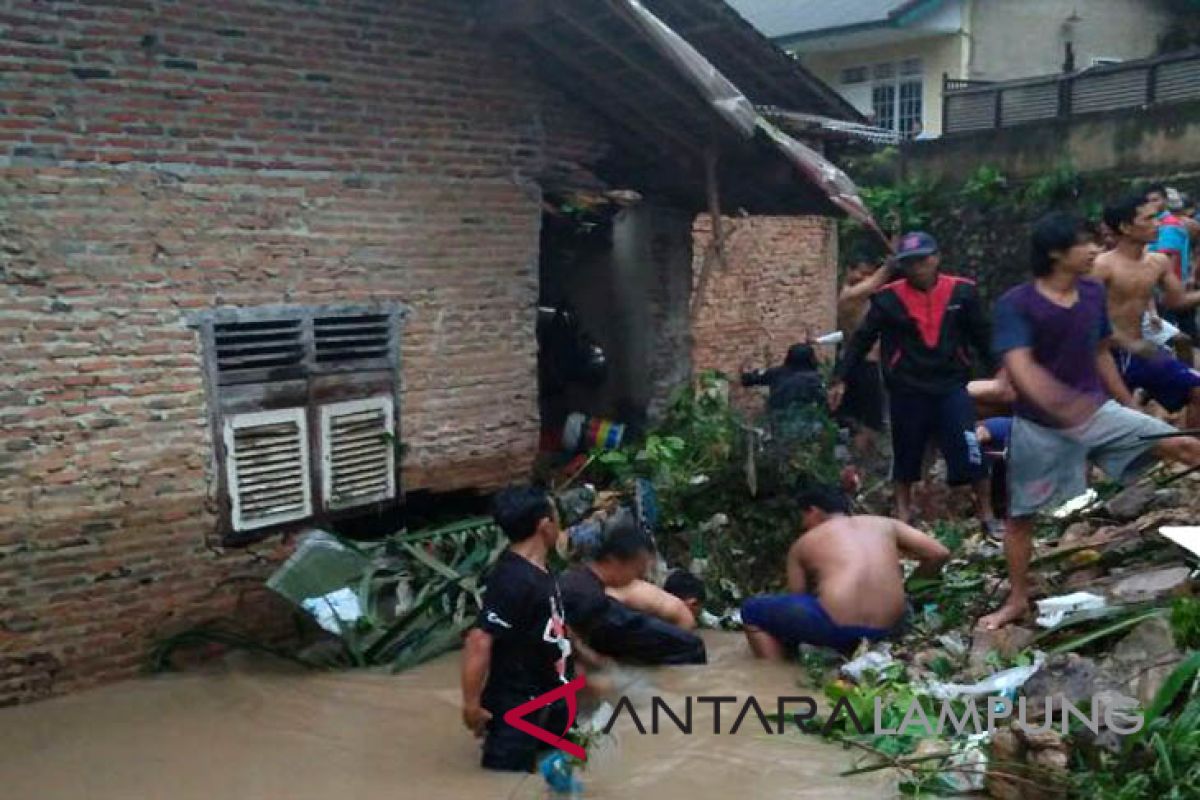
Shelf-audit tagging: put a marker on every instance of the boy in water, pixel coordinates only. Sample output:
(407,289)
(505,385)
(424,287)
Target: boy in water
(1053,335)
(637,631)
(843,578)
(518,648)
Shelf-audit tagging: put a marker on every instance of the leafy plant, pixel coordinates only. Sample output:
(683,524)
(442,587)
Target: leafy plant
(1185,623)
(985,186)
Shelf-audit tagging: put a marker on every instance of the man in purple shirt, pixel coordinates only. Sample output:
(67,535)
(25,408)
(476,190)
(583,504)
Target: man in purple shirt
(1072,407)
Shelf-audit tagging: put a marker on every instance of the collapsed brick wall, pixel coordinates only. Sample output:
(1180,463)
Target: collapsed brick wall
(777,280)
(159,158)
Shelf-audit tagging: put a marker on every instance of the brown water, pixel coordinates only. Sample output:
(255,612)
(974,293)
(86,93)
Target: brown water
(263,733)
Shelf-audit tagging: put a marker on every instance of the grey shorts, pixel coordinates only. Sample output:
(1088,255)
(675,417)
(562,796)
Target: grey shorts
(1048,466)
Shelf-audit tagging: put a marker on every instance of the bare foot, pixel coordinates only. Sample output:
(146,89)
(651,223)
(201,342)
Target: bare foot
(1011,611)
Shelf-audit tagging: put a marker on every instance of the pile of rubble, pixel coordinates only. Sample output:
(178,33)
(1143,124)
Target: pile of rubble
(1110,572)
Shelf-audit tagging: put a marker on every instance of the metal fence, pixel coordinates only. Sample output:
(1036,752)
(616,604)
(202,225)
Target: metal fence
(974,105)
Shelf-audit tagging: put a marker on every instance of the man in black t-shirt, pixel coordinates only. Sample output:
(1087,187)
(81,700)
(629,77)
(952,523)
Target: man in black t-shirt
(608,626)
(518,648)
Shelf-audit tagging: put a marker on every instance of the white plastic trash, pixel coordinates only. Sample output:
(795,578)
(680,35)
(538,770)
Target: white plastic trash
(1002,683)
(1186,536)
(831,338)
(1053,610)
(874,660)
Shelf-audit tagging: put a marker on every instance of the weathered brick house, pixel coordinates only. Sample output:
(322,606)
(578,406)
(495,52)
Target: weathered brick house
(239,240)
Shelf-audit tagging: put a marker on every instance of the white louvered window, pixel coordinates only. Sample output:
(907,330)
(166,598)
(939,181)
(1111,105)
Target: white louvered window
(267,463)
(302,404)
(358,452)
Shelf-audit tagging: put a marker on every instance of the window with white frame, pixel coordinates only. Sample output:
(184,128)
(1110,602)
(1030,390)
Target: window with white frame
(303,408)
(896,92)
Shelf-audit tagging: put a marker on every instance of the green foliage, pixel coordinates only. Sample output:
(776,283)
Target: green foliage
(985,186)
(1061,184)
(951,532)
(1185,623)
(905,206)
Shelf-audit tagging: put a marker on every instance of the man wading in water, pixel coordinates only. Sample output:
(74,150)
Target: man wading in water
(843,578)
(1131,276)
(1054,336)
(518,648)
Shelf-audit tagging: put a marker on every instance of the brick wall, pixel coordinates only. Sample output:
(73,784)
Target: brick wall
(158,158)
(778,279)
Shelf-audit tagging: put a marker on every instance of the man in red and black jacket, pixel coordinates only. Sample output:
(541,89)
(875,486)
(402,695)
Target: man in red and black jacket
(928,323)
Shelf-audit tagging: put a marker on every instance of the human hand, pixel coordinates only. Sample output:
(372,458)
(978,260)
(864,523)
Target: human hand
(837,391)
(1144,348)
(475,719)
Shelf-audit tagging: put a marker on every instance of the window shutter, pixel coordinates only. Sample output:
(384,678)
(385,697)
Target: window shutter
(266,457)
(358,454)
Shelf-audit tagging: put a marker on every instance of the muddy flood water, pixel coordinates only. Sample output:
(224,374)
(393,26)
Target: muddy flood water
(254,730)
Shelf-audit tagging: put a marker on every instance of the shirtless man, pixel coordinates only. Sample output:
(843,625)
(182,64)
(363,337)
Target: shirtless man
(862,406)
(843,578)
(1131,275)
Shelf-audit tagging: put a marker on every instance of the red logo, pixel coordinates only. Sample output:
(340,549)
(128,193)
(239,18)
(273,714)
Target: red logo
(516,717)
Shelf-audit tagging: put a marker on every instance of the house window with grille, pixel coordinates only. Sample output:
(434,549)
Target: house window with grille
(883,101)
(303,404)
(909,107)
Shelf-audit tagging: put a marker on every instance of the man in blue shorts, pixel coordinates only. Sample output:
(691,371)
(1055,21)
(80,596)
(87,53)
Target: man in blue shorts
(927,323)
(1054,336)
(1131,277)
(844,580)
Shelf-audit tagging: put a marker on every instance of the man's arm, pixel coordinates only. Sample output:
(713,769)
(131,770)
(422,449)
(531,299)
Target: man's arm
(795,570)
(1175,296)
(1039,387)
(1110,376)
(649,599)
(928,551)
(866,288)
(477,660)
(856,350)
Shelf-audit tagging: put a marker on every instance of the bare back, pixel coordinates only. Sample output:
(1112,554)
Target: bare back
(852,564)
(1130,284)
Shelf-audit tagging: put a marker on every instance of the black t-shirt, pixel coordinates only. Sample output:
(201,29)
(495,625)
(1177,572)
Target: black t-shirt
(584,598)
(522,610)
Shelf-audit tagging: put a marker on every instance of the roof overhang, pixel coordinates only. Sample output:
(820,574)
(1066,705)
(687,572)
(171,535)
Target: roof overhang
(657,101)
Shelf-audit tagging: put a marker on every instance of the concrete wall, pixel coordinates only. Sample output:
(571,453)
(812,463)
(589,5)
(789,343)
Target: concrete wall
(939,55)
(1163,140)
(160,158)
(779,280)
(1022,38)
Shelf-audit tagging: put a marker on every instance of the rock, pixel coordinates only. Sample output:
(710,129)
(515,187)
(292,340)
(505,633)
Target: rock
(1006,746)
(1082,578)
(1142,661)
(1053,760)
(1151,584)
(1007,641)
(1131,503)
(1076,534)
(1072,677)
(1039,740)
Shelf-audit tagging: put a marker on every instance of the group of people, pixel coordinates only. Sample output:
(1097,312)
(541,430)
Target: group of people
(1069,359)
(533,626)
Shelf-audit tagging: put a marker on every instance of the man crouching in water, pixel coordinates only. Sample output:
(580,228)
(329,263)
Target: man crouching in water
(843,578)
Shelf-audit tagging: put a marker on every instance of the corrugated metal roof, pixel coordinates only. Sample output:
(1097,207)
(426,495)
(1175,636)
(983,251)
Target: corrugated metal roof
(777,18)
